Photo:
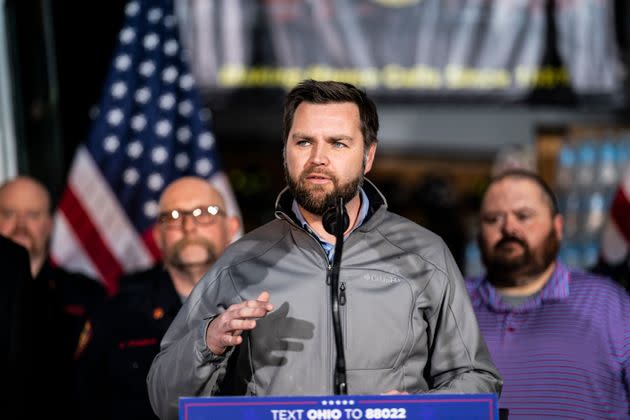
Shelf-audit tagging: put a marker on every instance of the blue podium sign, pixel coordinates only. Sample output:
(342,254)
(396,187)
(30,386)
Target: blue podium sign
(342,407)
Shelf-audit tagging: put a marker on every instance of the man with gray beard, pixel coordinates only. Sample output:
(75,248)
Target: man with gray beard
(119,343)
(408,326)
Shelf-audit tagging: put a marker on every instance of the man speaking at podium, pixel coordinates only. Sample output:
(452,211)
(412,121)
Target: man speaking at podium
(259,322)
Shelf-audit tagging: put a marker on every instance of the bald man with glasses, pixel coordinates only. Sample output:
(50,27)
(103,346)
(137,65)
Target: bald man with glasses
(192,231)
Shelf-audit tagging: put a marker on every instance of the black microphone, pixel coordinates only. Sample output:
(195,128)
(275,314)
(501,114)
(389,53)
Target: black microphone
(329,220)
(335,220)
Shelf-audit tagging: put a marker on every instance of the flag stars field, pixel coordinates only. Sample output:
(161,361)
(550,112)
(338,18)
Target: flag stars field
(155,182)
(138,122)
(119,89)
(163,128)
(171,47)
(115,117)
(127,35)
(183,135)
(206,141)
(131,176)
(135,149)
(147,68)
(159,155)
(182,161)
(154,15)
(122,62)
(167,101)
(111,143)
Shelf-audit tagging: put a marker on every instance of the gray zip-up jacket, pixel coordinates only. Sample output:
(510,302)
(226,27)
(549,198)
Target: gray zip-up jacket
(407,321)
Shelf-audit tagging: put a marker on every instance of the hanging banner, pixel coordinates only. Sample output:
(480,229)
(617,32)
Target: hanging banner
(502,49)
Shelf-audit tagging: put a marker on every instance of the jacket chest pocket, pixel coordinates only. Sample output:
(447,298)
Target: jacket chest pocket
(378,321)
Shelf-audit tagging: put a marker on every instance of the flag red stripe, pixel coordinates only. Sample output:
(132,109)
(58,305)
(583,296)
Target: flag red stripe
(94,246)
(620,213)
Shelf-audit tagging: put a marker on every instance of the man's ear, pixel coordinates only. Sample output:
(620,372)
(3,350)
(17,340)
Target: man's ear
(558,225)
(157,238)
(369,158)
(233,226)
(49,226)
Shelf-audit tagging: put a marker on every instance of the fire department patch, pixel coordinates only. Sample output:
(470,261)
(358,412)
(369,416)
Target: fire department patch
(84,339)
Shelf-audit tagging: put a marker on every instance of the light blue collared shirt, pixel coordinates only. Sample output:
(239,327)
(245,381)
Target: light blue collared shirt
(327,246)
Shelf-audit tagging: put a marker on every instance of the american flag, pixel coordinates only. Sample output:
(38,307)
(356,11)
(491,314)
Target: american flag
(616,233)
(150,130)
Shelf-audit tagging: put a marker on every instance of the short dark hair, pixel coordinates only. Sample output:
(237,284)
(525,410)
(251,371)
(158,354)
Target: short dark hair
(535,178)
(325,92)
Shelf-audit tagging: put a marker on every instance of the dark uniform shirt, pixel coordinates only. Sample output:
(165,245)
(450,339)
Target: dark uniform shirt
(63,302)
(17,328)
(125,337)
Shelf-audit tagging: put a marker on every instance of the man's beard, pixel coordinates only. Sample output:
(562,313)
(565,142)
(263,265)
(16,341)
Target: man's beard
(314,198)
(504,270)
(174,255)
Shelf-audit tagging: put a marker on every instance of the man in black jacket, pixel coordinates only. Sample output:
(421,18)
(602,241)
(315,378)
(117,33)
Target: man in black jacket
(61,300)
(17,327)
(192,231)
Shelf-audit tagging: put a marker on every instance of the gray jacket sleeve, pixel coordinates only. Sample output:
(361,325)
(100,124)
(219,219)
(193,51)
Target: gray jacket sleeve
(459,361)
(185,366)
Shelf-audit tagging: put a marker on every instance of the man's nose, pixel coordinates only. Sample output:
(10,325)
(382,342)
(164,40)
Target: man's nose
(509,225)
(318,155)
(188,223)
(20,219)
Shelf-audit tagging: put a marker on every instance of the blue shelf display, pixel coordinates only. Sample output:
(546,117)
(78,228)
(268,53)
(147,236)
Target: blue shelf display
(587,175)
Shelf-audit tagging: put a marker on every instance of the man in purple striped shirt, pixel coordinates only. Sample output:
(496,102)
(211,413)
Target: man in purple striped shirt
(560,338)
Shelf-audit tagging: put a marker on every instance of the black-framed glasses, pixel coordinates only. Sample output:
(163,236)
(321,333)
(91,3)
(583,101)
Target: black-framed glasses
(201,216)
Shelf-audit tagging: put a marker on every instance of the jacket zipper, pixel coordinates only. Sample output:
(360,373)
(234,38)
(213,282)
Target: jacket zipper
(342,294)
(328,273)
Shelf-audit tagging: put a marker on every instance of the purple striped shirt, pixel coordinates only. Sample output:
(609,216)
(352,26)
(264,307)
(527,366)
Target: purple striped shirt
(564,353)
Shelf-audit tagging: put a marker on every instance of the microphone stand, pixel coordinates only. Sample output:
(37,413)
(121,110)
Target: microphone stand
(338,227)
